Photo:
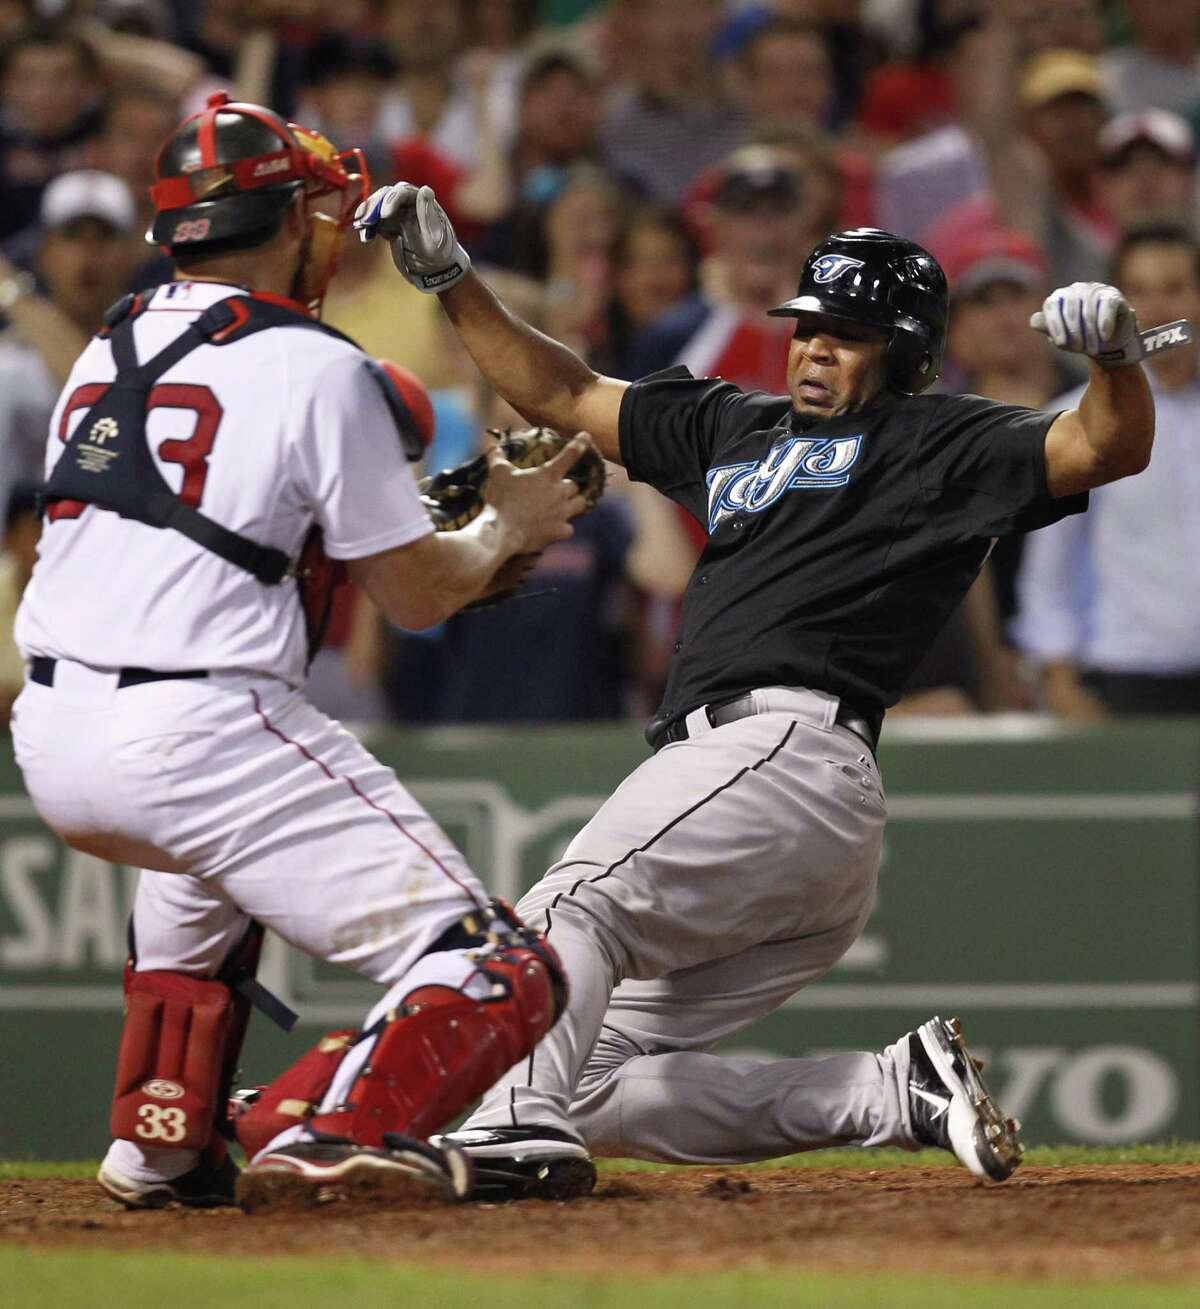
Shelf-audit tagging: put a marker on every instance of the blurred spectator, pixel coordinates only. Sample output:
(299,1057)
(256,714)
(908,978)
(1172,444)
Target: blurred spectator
(785,81)
(654,267)
(941,161)
(136,124)
(255,48)
(1160,66)
(854,47)
(785,74)
(567,243)
(51,112)
(557,119)
(85,259)
(759,241)
(434,98)
(1148,168)
(22,531)
(344,82)
(558,116)
(902,102)
(997,277)
(1061,97)
(668,121)
(1110,607)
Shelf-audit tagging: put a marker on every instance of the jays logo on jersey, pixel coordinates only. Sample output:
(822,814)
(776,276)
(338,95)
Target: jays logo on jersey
(830,267)
(801,463)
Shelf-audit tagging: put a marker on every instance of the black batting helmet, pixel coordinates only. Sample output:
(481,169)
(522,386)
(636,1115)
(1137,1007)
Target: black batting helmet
(226,175)
(873,277)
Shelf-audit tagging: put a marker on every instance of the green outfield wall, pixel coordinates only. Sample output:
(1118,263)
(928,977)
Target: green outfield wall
(1044,883)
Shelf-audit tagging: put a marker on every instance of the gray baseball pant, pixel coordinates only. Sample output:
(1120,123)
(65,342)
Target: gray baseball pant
(725,873)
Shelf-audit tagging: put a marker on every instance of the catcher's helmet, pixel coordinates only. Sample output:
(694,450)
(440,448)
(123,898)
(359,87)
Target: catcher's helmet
(873,277)
(228,173)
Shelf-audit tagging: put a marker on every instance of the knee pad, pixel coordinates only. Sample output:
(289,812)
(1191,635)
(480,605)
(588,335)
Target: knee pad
(179,1049)
(440,1049)
(428,1059)
(292,1098)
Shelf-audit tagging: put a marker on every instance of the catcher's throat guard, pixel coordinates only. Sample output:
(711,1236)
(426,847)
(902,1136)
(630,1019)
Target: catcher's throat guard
(428,1059)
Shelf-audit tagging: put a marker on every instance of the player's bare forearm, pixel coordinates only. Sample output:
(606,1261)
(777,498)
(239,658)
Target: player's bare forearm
(541,378)
(1109,436)
(419,585)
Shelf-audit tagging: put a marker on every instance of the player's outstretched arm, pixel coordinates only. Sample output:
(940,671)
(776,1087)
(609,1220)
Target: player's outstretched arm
(542,379)
(423,583)
(1110,434)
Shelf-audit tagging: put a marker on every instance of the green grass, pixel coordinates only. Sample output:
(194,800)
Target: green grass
(86,1279)
(1171,1152)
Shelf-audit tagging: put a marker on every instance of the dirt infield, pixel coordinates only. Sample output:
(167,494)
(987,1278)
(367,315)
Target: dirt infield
(1079,1223)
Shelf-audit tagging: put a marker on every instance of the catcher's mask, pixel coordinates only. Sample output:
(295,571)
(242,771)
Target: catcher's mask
(227,174)
(869,276)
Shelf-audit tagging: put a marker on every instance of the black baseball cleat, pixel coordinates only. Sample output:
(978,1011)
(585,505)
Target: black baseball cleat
(952,1109)
(523,1163)
(207,1186)
(404,1171)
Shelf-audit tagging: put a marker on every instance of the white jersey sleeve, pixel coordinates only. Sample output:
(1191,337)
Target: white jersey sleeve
(352,465)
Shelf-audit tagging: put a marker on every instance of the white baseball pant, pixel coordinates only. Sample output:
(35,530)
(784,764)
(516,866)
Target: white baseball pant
(239,800)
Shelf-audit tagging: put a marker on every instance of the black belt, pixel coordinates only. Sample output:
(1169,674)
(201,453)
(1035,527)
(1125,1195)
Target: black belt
(41,670)
(865,726)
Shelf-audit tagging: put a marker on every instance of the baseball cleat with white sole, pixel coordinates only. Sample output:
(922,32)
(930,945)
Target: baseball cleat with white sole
(207,1186)
(519,1163)
(952,1108)
(406,1171)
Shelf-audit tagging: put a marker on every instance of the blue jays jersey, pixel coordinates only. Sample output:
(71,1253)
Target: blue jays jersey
(838,548)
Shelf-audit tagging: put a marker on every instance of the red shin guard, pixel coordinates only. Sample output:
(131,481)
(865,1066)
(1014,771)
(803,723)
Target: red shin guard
(294,1094)
(173,1048)
(441,1050)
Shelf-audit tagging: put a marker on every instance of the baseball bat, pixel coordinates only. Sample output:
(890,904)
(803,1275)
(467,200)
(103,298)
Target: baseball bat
(1167,336)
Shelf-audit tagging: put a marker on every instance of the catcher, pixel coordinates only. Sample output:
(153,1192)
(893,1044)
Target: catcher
(217,456)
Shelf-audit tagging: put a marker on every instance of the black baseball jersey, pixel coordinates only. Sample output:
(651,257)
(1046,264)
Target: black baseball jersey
(837,548)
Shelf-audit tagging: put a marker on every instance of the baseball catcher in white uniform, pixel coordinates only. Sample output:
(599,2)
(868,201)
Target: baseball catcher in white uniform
(217,454)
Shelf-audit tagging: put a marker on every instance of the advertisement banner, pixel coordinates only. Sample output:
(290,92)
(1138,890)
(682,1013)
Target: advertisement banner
(1040,882)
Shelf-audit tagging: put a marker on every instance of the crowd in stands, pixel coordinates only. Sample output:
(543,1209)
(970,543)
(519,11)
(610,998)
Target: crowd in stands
(643,179)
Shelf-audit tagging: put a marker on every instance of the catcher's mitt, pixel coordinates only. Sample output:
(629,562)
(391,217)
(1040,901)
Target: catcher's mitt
(454,497)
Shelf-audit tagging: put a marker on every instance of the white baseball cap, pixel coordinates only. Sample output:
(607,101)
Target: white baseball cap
(88,193)
(1168,132)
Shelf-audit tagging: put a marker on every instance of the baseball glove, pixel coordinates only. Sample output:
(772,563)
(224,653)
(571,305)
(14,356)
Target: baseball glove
(455,496)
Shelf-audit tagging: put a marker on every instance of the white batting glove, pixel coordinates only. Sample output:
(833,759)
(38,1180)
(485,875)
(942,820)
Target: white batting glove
(1091,319)
(424,247)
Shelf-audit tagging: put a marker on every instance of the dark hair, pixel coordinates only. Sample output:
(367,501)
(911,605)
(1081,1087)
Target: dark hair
(50,34)
(620,331)
(553,61)
(782,25)
(337,55)
(1160,233)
